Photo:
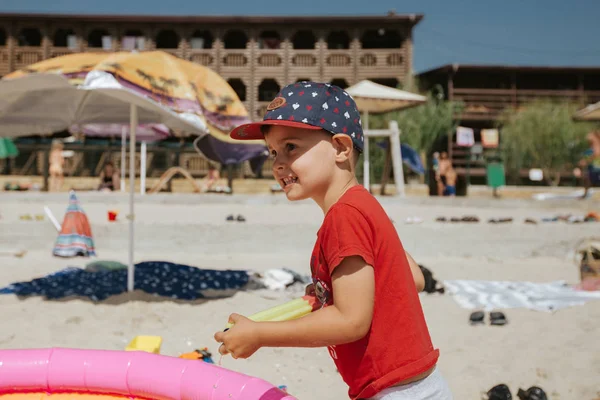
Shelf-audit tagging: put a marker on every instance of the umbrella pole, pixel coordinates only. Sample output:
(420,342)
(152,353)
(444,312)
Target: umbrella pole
(366,167)
(123,156)
(397,159)
(143,169)
(133,121)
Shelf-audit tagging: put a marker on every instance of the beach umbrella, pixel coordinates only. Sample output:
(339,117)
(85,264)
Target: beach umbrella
(373,98)
(118,88)
(75,236)
(589,113)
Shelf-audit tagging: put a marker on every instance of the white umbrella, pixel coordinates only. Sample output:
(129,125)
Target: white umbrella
(373,98)
(42,103)
(589,113)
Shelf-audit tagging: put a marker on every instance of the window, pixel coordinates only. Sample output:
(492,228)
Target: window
(65,38)
(269,40)
(339,82)
(201,40)
(30,37)
(338,40)
(238,87)
(2,37)
(382,39)
(100,38)
(267,90)
(133,39)
(303,40)
(235,39)
(167,39)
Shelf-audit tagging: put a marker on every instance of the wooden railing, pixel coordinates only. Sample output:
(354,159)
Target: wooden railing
(486,104)
(234,58)
(338,58)
(4,61)
(304,58)
(381,58)
(269,58)
(27,55)
(202,57)
(62,51)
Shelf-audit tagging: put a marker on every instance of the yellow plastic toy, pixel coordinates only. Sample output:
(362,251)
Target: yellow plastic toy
(150,344)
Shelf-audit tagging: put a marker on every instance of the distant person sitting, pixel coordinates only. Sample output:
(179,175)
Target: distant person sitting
(57,162)
(109,178)
(211,179)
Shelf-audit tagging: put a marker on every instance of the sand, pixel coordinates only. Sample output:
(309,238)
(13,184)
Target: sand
(558,351)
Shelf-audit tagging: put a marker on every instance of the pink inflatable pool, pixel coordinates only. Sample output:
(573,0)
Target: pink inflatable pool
(25,374)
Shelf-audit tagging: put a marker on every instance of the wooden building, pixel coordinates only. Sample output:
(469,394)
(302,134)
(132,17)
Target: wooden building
(486,91)
(257,55)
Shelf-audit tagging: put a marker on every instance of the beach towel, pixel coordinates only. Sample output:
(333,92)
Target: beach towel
(161,278)
(492,295)
(75,237)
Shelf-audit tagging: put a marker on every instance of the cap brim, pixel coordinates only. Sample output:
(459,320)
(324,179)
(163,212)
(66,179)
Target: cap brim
(253,132)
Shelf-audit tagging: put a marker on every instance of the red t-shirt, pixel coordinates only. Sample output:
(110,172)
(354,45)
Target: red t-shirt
(398,345)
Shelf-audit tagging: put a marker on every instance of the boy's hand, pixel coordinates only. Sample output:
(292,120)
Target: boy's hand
(310,290)
(241,340)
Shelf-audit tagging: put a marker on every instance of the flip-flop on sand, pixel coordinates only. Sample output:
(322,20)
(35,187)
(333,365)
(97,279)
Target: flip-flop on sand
(499,392)
(533,393)
(476,317)
(498,318)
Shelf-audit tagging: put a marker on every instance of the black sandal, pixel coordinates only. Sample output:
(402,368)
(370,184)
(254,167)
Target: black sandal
(533,393)
(476,317)
(499,392)
(498,318)
(241,218)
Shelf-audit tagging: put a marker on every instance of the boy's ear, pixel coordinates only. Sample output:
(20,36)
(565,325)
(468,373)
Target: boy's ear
(343,146)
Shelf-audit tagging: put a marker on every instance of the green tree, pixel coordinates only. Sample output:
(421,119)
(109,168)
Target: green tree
(421,126)
(542,135)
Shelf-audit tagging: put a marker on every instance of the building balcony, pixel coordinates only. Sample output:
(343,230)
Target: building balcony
(231,58)
(488,104)
(204,57)
(4,64)
(62,51)
(27,55)
(269,58)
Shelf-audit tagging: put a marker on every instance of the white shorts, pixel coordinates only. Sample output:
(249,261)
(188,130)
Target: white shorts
(434,387)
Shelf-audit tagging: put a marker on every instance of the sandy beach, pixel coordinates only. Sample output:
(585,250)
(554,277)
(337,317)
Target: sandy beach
(558,351)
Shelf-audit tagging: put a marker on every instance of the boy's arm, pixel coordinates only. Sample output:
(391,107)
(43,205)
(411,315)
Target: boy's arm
(416,273)
(345,321)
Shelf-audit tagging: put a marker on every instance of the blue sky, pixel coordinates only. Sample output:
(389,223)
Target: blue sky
(516,32)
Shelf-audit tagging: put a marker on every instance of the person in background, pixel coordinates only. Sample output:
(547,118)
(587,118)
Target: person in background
(109,178)
(436,169)
(211,178)
(57,162)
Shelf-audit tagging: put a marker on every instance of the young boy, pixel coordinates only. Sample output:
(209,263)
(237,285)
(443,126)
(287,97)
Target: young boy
(371,318)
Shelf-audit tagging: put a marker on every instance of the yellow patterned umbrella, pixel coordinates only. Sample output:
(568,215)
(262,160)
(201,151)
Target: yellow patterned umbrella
(180,85)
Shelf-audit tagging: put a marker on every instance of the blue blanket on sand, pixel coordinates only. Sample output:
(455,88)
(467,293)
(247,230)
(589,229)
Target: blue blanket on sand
(155,277)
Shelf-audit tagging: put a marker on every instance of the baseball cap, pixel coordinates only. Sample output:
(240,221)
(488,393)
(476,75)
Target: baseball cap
(309,105)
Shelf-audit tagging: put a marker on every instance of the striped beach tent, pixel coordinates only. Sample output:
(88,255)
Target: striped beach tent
(75,237)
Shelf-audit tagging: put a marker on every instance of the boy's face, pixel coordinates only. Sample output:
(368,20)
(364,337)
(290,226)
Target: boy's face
(304,161)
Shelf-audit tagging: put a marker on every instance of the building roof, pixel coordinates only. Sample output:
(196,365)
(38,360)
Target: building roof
(444,69)
(283,19)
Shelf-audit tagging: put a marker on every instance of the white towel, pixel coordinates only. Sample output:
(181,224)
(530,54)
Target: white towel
(491,295)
